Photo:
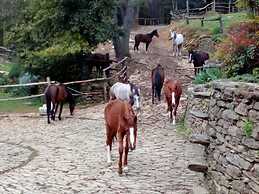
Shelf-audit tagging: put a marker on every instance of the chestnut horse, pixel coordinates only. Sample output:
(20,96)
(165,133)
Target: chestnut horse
(145,38)
(173,92)
(157,76)
(55,95)
(120,120)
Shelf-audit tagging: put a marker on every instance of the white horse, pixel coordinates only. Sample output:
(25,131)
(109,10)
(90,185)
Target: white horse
(177,40)
(128,92)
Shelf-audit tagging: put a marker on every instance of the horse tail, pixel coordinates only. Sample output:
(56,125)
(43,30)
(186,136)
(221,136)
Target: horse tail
(48,101)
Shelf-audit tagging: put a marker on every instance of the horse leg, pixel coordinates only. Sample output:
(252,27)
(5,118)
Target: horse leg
(120,138)
(171,114)
(48,110)
(175,109)
(60,110)
(126,151)
(53,111)
(56,109)
(147,44)
(109,139)
(153,91)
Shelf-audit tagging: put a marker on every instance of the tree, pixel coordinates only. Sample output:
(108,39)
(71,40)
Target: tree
(125,16)
(52,33)
(9,10)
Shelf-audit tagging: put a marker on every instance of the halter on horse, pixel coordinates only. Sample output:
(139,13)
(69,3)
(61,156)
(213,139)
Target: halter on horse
(145,38)
(177,40)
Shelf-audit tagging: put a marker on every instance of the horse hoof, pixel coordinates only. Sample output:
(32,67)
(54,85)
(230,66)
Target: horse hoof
(59,118)
(120,171)
(126,169)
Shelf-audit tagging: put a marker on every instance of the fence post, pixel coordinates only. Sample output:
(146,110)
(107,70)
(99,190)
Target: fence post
(187,20)
(48,80)
(202,22)
(104,88)
(221,24)
(229,6)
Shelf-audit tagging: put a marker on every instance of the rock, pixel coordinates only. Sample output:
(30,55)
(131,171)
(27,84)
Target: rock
(255,133)
(201,94)
(199,114)
(254,186)
(233,171)
(255,170)
(237,161)
(242,109)
(213,102)
(253,115)
(239,186)
(230,114)
(212,132)
(200,139)
(221,103)
(198,168)
(250,143)
(256,106)
(235,131)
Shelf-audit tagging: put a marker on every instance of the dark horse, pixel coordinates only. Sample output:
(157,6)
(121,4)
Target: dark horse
(145,38)
(198,59)
(158,77)
(55,95)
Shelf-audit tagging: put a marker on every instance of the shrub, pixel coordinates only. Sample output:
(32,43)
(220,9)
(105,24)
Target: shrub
(240,50)
(208,75)
(246,78)
(28,90)
(15,71)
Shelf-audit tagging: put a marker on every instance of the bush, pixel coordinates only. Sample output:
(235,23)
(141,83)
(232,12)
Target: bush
(246,78)
(28,90)
(248,128)
(15,71)
(240,50)
(208,75)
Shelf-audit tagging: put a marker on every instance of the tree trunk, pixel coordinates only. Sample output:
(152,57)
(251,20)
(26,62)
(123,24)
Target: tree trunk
(1,33)
(125,17)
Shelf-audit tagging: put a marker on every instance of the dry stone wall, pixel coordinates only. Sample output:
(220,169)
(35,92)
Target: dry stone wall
(228,113)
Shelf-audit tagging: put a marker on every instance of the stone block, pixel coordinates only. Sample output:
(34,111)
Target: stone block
(236,160)
(256,106)
(233,171)
(230,114)
(253,115)
(242,109)
(250,143)
(235,131)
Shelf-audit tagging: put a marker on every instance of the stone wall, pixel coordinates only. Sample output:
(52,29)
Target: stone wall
(223,111)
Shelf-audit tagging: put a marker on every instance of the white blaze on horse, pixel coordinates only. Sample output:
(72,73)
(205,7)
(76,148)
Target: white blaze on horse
(177,41)
(126,92)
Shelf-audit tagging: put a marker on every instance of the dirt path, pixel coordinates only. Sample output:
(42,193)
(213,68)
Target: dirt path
(69,157)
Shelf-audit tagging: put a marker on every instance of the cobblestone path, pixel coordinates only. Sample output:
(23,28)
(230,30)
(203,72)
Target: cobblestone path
(69,156)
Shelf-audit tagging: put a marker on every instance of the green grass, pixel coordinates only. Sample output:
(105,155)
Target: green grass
(19,106)
(248,128)
(5,67)
(210,26)
(182,129)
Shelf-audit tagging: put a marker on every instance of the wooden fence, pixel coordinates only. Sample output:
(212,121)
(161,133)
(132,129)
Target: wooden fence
(217,7)
(120,69)
(149,21)
(202,19)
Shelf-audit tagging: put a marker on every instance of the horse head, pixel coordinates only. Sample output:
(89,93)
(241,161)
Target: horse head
(135,96)
(191,57)
(131,121)
(155,33)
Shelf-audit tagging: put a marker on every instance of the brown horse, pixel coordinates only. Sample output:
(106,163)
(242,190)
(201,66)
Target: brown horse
(121,121)
(173,92)
(157,77)
(55,95)
(145,38)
